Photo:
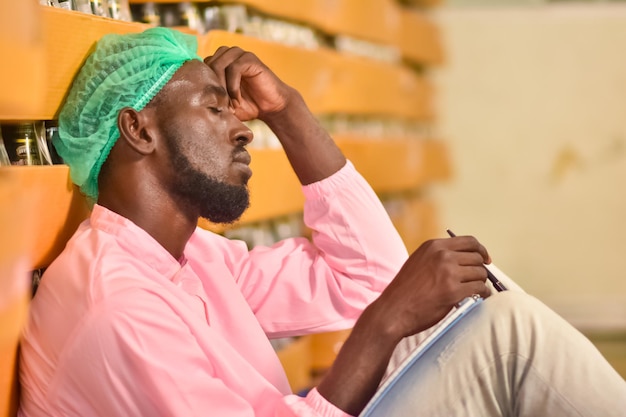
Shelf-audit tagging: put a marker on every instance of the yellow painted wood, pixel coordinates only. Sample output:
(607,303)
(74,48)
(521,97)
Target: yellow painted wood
(375,20)
(296,360)
(389,165)
(417,221)
(274,188)
(329,81)
(67,39)
(19,221)
(310,72)
(419,38)
(438,165)
(12,319)
(325,347)
(378,21)
(53,208)
(422,3)
(334,83)
(70,36)
(57,207)
(22,51)
(40,208)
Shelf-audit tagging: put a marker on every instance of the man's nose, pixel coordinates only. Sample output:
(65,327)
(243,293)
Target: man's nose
(241,134)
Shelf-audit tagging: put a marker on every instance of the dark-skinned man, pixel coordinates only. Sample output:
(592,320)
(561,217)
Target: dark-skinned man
(146,314)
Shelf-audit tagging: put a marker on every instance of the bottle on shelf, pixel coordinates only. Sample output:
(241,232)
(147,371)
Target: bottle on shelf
(146,13)
(52,127)
(120,10)
(4,157)
(100,8)
(64,4)
(25,143)
(83,6)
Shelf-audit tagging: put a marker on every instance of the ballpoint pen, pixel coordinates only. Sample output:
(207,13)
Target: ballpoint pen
(496,283)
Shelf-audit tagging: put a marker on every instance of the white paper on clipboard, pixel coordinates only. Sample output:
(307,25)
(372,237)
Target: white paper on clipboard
(444,326)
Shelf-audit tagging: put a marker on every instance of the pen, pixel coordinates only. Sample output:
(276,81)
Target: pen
(496,283)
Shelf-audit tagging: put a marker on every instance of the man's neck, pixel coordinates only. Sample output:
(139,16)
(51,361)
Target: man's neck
(166,223)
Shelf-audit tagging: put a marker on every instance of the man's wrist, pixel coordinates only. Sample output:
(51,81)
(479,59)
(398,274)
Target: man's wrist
(290,115)
(375,320)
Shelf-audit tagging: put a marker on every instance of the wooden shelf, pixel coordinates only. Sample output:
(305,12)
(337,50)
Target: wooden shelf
(335,83)
(378,21)
(419,39)
(49,202)
(437,163)
(45,198)
(274,189)
(374,20)
(389,165)
(296,360)
(44,47)
(329,81)
(22,50)
(417,222)
(68,37)
(423,3)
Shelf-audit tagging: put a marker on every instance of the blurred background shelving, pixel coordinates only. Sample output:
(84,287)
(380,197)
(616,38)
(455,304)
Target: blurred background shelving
(528,95)
(363,69)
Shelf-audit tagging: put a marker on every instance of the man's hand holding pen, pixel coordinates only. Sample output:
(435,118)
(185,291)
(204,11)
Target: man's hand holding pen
(438,275)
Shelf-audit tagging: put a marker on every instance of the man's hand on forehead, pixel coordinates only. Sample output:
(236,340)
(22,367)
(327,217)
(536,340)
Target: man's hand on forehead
(255,91)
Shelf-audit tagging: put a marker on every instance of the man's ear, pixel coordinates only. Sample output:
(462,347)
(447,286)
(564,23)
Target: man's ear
(137,130)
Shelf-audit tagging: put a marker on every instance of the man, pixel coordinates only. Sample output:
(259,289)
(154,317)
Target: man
(145,314)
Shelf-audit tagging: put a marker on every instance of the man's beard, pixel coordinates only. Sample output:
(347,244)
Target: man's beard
(213,199)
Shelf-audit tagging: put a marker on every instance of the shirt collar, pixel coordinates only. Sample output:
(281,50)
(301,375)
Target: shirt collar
(136,241)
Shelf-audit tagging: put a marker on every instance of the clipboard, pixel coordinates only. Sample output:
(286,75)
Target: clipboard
(376,405)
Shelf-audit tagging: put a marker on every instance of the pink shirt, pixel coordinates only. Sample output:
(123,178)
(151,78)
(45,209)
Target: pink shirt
(120,328)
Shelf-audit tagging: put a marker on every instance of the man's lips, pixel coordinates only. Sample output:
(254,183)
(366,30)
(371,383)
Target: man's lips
(242,157)
(242,160)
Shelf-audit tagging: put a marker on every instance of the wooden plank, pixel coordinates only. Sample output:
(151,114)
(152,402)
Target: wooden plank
(376,21)
(330,82)
(22,51)
(274,188)
(296,360)
(422,3)
(12,319)
(389,165)
(438,165)
(53,208)
(419,39)
(68,37)
(381,22)
(334,83)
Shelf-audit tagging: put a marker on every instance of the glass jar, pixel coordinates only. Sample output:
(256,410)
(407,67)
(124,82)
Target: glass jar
(52,129)
(4,157)
(100,8)
(120,10)
(83,6)
(22,143)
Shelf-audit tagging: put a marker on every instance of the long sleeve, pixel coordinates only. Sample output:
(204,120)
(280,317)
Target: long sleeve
(120,327)
(298,287)
(149,362)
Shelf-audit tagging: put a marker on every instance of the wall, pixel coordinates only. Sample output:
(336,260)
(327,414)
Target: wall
(533,104)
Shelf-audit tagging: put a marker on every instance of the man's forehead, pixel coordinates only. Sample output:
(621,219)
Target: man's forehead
(197,76)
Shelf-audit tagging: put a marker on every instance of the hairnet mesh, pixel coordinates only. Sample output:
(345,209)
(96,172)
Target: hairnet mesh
(123,71)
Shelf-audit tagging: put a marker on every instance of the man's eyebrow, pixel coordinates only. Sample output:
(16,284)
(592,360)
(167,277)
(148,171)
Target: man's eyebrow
(214,90)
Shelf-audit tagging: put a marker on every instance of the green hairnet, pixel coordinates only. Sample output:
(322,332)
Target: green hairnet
(123,71)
